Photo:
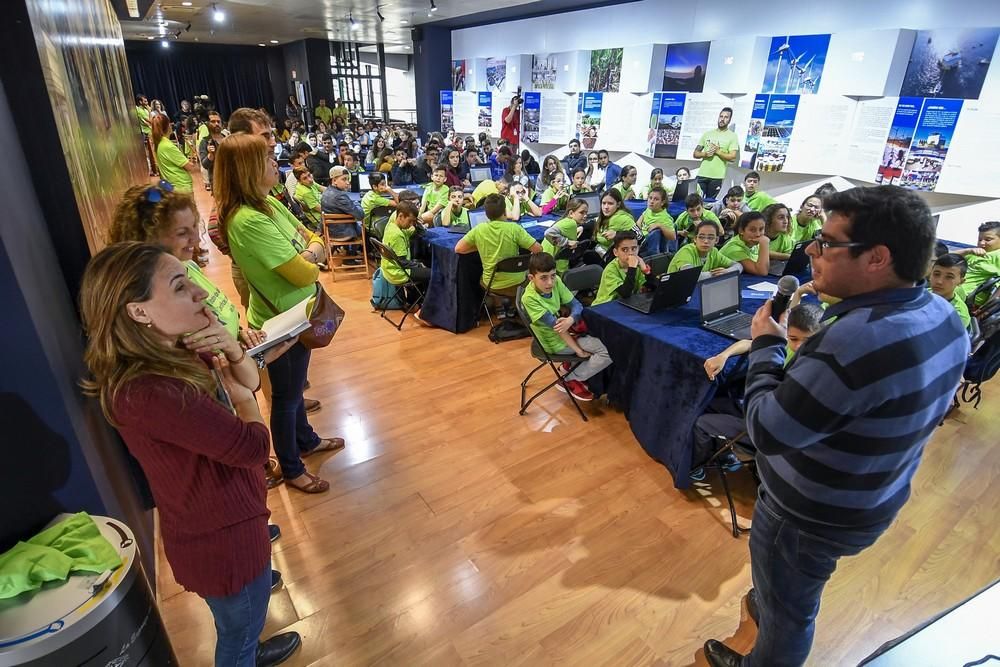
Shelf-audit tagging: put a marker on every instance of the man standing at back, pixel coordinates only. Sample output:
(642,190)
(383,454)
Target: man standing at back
(323,112)
(341,114)
(840,431)
(716,149)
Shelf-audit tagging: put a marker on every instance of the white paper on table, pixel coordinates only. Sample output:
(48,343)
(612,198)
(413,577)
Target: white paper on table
(770,288)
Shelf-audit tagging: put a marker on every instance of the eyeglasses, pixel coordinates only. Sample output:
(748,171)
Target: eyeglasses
(822,245)
(154,193)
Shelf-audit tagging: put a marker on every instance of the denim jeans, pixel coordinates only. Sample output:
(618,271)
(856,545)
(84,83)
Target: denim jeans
(709,186)
(290,430)
(239,620)
(790,568)
(656,243)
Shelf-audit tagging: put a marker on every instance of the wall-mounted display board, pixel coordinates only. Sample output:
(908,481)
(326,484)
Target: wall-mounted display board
(621,129)
(447,110)
(495,73)
(918,145)
(465,110)
(822,124)
(950,62)
(484,111)
(701,113)
(605,70)
(458,75)
(769,133)
(557,117)
(970,170)
(867,63)
(518,73)
(866,139)
(795,64)
(685,66)
(735,65)
(665,124)
(568,71)
(588,119)
(531,114)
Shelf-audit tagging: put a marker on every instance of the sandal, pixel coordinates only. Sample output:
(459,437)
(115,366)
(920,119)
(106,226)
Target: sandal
(272,473)
(325,445)
(314,485)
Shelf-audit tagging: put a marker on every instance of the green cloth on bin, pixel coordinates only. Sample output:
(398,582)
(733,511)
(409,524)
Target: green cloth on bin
(73,545)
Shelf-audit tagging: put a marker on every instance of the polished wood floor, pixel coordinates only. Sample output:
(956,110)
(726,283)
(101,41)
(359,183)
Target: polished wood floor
(457,532)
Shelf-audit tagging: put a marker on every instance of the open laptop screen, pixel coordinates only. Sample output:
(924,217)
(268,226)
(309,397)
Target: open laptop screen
(720,296)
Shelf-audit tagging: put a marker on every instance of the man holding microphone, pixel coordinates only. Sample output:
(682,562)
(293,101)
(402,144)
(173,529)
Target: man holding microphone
(840,432)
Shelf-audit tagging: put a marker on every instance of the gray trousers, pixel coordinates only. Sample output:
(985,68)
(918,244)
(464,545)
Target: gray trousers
(598,360)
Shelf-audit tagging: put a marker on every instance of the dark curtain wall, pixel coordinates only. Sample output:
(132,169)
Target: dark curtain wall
(233,76)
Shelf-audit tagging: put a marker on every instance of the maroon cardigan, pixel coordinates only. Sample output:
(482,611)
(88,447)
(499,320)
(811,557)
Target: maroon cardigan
(206,470)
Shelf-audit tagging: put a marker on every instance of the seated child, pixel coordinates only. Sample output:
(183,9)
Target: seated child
(397,237)
(983,261)
(455,213)
(566,232)
(626,182)
(725,417)
(809,219)
(435,196)
(756,199)
(750,246)
(780,241)
(557,191)
(946,275)
(694,213)
(519,203)
(703,253)
(497,240)
(309,194)
(380,195)
(544,297)
(656,224)
(614,218)
(579,183)
(624,275)
(406,195)
(655,181)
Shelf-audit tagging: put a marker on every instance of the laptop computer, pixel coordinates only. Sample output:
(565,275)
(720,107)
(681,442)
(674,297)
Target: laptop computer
(683,189)
(797,262)
(720,307)
(672,289)
(658,264)
(479,174)
(593,200)
(477,217)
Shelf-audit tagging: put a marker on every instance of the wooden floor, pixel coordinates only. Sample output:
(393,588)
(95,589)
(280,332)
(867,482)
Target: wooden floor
(457,532)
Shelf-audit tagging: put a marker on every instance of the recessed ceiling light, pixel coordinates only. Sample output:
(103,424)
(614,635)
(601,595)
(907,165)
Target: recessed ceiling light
(274,41)
(217,14)
(261,44)
(403,21)
(165,44)
(150,37)
(186,4)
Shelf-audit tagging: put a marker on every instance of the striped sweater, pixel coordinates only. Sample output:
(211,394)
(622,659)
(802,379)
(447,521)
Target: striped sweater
(841,430)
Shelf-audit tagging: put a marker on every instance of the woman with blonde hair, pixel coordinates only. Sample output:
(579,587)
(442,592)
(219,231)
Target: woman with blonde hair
(194,426)
(175,167)
(279,259)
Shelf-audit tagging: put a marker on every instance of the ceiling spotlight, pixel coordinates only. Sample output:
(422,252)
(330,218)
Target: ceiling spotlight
(177,35)
(261,44)
(429,15)
(165,44)
(188,28)
(274,41)
(354,24)
(217,14)
(434,7)
(150,37)
(186,3)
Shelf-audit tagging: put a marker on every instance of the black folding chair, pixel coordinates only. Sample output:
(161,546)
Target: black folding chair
(544,358)
(401,290)
(583,280)
(743,449)
(516,264)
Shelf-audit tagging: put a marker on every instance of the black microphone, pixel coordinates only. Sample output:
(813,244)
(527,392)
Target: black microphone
(786,288)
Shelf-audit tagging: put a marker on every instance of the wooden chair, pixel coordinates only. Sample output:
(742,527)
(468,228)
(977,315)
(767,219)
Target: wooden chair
(336,260)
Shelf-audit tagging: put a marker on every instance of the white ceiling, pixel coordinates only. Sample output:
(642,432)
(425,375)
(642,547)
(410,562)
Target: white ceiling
(261,21)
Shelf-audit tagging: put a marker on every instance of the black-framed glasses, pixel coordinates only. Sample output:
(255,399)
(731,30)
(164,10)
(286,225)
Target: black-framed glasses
(822,245)
(154,193)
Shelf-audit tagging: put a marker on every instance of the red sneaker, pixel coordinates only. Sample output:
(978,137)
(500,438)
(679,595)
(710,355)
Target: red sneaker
(577,388)
(566,367)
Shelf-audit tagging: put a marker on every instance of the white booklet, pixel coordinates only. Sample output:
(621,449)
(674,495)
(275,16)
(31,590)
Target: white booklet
(285,326)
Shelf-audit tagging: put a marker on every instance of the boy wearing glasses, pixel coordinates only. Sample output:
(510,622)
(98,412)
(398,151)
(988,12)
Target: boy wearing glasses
(703,253)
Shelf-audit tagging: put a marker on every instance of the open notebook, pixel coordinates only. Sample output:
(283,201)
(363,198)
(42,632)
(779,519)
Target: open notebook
(285,326)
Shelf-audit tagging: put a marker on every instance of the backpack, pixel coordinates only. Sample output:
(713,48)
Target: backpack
(984,362)
(508,329)
(383,291)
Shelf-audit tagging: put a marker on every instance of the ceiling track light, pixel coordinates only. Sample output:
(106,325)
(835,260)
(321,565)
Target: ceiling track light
(354,24)
(217,14)
(434,7)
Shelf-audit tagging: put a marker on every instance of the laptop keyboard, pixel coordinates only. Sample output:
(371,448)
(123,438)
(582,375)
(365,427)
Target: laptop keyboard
(733,323)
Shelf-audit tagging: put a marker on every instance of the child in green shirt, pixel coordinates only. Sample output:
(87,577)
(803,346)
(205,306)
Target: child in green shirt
(693,215)
(756,199)
(455,213)
(435,196)
(624,275)
(579,183)
(497,240)
(519,203)
(703,253)
(397,238)
(946,276)
(557,191)
(656,225)
(380,195)
(809,219)
(566,232)
(543,301)
(750,247)
(655,181)
(776,219)
(983,261)
(626,183)
(614,218)
(309,195)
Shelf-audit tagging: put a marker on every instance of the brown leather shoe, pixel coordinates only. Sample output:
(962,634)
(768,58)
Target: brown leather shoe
(312,405)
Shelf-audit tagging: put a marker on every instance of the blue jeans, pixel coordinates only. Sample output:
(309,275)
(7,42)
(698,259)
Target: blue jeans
(790,568)
(345,230)
(290,430)
(656,243)
(239,620)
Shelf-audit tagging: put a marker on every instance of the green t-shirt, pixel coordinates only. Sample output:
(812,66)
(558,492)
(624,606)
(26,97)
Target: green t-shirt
(398,241)
(625,193)
(782,243)
(434,196)
(201,134)
(324,114)
(758,201)
(715,166)
(980,270)
(550,194)
(260,243)
(142,114)
(497,240)
(567,227)
(525,206)
(482,190)
(310,196)
(373,200)
(613,278)
(460,218)
(688,254)
(537,305)
(685,223)
(805,232)
(171,162)
(650,218)
(220,304)
(958,303)
(621,221)
(737,250)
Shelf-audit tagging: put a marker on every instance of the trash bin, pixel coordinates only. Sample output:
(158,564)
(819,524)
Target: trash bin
(107,620)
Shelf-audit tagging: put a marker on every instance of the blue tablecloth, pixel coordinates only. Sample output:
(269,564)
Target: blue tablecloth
(637,206)
(658,376)
(454,294)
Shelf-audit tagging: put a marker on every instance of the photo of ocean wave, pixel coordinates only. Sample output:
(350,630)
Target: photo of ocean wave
(950,63)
